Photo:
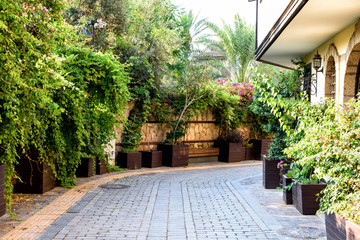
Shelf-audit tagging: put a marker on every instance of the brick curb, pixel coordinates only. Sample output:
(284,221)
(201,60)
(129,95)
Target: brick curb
(36,224)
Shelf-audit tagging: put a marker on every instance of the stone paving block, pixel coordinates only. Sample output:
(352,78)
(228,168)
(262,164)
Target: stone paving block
(200,204)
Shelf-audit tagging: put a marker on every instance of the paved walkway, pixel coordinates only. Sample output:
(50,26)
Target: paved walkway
(225,201)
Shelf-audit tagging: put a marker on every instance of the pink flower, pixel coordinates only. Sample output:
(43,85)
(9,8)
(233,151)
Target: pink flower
(321,139)
(23,14)
(50,73)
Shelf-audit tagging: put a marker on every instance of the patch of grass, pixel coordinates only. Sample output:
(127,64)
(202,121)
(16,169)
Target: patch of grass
(111,168)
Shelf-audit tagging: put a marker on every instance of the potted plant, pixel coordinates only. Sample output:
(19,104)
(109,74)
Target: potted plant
(151,158)
(192,85)
(36,175)
(230,147)
(306,188)
(142,88)
(250,153)
(129,157)
(286,181)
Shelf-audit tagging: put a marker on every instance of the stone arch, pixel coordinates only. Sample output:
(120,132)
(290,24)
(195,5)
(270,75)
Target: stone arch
(331,75)
(352,63)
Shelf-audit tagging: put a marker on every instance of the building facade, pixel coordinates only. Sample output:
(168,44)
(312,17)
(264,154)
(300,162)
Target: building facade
(307,29)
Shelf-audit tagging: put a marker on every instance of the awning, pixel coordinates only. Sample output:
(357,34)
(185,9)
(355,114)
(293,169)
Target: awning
(304,26)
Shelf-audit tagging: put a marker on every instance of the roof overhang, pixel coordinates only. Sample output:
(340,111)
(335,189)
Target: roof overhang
(304,26)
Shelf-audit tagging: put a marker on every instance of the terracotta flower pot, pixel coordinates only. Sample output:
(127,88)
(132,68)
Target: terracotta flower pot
(151,159)
(305,197)
(231,152)
(271,173)
(174,155)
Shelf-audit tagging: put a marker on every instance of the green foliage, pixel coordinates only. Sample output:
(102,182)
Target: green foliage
(142,89)
(231,105)
(29,32)
(236,45)
(113,12)
(191,85)
(274,103)
(151,33)
(327,140)
(111,168)
(93,101)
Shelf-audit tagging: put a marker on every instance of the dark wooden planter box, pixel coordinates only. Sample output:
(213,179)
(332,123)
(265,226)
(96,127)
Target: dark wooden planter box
(256,149)
(101,166)
(85,168)
(338,228)
(129,160)
(287,194)
(271,173)
(37,177)
(151,159)
(265,145)
(305,199)
(231,152)
(2,188)
(249,153)
(174,155)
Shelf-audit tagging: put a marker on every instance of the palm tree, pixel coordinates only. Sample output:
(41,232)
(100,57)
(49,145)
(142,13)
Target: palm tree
(236,46)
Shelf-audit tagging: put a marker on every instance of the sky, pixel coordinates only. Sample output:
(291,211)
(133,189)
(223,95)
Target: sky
(215,10)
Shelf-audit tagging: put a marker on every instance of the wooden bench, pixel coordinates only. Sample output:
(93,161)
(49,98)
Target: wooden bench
(203,152)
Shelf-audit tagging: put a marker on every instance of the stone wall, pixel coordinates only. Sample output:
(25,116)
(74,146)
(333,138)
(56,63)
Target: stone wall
(202,132)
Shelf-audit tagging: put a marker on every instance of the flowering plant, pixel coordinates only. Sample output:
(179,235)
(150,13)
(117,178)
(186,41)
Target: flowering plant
(327,140)
(231,109)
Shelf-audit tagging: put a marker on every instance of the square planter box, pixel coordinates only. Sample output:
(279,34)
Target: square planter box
(129,160)
(265,145)
(231,152)
(256,148)
(305,199)
(338,228)
(174,155)
(287,194)
(151,159)
(249,153)
(271,173)
(37,177)
(2,187)
(86,167)
(101,166)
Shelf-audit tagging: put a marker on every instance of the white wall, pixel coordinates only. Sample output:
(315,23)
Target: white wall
(269,11)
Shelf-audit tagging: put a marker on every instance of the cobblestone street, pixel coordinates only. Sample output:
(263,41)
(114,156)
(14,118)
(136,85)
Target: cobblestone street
(209,203)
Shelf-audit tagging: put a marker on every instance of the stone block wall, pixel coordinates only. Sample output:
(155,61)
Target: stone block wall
(202,133)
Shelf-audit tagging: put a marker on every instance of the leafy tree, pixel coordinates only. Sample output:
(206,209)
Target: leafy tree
(192,85)
(150,34)
(236,47)
(113,12)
